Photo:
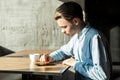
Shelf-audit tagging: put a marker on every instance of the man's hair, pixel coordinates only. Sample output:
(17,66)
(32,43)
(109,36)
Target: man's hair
(69,10)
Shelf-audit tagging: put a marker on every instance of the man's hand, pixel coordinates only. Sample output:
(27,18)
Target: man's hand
(45,59)
(70,62)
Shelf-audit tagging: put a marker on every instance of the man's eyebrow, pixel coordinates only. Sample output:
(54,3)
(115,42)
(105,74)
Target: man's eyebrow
(57,17)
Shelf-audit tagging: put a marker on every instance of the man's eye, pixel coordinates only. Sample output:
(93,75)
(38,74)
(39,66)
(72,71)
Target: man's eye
(64,26)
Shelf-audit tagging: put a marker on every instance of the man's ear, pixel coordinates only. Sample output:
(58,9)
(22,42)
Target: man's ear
(76,21)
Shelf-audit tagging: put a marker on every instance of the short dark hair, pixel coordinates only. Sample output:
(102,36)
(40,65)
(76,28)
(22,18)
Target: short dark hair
(69,10)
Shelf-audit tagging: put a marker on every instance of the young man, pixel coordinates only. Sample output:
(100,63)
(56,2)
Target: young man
(87,51)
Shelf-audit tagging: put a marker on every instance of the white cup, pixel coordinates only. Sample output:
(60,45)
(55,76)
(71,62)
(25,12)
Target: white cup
(34,57)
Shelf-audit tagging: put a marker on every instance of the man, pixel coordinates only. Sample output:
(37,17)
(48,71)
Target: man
(87,51)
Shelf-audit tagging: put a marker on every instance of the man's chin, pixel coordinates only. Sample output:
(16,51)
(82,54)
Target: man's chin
(69,35)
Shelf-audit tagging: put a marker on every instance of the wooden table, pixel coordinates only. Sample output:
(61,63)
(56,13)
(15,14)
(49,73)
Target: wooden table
(19,62)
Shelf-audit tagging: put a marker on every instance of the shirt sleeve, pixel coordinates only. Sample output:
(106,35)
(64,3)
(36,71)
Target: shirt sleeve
(64,52)
(95,68)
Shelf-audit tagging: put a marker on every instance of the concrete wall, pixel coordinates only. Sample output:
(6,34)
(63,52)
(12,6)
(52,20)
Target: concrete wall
(29,24)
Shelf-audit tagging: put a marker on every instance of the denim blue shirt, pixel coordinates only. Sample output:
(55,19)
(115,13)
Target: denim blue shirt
(90,50)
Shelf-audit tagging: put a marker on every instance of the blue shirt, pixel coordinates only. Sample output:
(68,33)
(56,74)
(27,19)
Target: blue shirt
(91,51)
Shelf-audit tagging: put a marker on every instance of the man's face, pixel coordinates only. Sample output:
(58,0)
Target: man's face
(67,27)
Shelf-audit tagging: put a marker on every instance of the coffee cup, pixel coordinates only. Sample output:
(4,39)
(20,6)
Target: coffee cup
(34,57)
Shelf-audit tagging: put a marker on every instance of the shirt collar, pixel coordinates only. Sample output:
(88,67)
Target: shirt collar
(83,32)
